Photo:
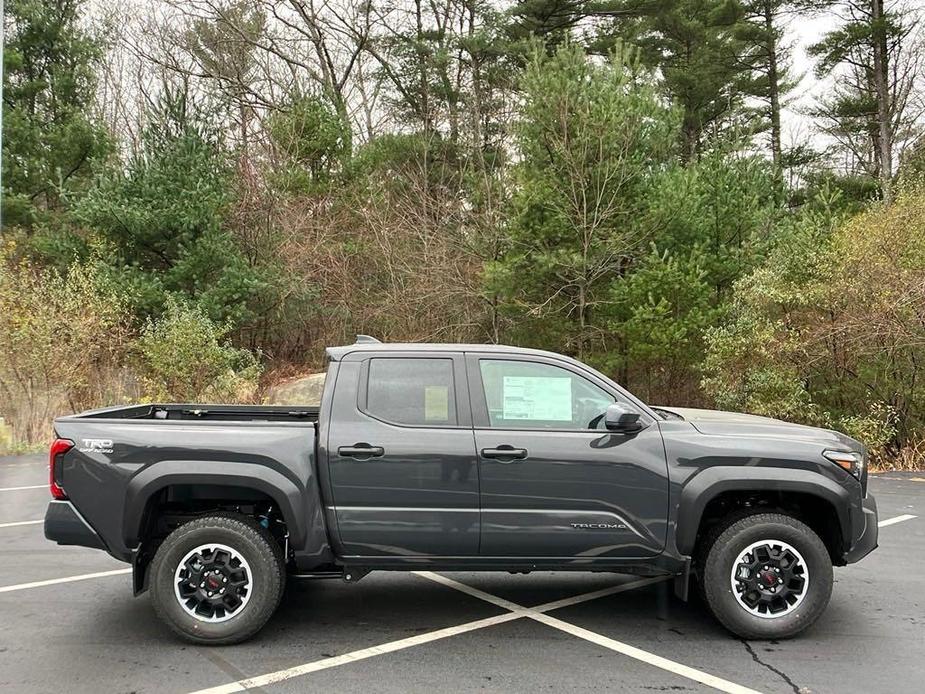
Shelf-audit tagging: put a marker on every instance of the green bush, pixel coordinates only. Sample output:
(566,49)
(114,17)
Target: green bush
(876,427)
(183,356)
(314,141)
(829,329)
(661,310)
(163,222)
(62,339)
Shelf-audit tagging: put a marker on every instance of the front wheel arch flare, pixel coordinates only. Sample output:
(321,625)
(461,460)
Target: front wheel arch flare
(704,488)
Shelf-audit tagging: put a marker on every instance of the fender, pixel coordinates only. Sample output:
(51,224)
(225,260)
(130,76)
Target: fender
(291,499)
(705,486)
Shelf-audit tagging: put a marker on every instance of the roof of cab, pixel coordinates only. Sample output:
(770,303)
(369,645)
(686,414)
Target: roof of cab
(338,353)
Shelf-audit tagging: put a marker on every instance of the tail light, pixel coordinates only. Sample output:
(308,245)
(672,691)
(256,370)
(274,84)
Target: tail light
(58,449)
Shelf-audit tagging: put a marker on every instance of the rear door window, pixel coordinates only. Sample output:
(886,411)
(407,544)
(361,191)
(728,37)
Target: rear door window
(412,391)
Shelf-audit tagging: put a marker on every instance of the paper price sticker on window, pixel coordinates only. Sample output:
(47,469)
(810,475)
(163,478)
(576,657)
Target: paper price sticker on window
(541,398)
(436,404)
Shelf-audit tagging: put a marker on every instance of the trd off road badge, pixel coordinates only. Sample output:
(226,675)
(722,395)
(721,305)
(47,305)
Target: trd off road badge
(95,446)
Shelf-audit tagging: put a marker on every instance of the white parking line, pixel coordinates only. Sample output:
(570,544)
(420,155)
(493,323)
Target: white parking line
(66,579)
(354,656)
(545,607)
(537,613)
(12,525)
(595,594)
(19,489)
(898,519)
(644,656)
(515,611)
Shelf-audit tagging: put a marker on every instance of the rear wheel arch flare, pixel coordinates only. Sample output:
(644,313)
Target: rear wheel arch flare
(144,494)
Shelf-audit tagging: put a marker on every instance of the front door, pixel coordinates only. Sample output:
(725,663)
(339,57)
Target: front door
(402,462)
(554,482)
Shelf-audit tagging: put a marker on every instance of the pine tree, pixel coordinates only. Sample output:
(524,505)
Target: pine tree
(591,139)
(768,59)
(695,46)
(549,20)
(868,109)
(49,138)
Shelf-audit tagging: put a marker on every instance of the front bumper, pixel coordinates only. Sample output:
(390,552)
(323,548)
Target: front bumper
(867,542)
(65,525)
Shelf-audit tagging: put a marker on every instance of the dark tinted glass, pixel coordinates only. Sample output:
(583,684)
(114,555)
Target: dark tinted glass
(412,391)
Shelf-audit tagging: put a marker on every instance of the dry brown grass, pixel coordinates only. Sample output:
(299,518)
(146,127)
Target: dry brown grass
(911,457)
(61,337)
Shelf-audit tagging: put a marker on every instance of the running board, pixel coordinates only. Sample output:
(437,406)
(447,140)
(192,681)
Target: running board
(350,575)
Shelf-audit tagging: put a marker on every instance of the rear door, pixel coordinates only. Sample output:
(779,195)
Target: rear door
(554,482)
(403,470)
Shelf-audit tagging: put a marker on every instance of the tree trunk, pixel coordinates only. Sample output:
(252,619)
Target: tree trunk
(690,140)
(881,86)
(426,116)
(582,308)
(773,83)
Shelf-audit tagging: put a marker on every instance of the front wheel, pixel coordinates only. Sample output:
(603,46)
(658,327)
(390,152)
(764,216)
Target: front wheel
(767,576)
(217,579)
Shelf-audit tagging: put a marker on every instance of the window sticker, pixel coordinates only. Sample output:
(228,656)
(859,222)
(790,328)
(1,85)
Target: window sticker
(537,397)
(436,403)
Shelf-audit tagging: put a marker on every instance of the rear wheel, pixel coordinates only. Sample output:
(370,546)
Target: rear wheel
(217,579)
(766,576)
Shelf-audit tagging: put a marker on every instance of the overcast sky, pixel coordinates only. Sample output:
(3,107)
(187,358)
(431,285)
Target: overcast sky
(805,31)
(801,31)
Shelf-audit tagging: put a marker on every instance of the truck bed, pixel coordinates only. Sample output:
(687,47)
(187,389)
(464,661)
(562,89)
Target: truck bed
(127,460)
(200,412)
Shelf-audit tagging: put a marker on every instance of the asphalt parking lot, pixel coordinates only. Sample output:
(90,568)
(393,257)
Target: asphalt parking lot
(61,631)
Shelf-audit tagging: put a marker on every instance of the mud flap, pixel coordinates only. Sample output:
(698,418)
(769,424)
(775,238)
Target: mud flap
(682,581)
(140,563)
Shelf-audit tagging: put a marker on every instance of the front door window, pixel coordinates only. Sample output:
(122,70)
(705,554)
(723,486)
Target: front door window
(531,395)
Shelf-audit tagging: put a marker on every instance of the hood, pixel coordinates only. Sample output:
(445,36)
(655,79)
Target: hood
(719,423)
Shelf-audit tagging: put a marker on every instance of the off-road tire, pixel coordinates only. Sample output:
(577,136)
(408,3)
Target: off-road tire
(254,543)
(719,553)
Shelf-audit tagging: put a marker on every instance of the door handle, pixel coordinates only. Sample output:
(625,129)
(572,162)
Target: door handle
(504,453)
(361,451)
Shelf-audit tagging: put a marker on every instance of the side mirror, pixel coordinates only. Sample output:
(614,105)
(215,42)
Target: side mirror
(622,418)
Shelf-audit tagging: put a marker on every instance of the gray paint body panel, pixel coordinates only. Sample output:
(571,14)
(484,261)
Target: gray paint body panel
(421,497)
(431,500)
(112,489)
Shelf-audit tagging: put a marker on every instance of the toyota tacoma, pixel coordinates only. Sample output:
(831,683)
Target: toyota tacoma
(460,457)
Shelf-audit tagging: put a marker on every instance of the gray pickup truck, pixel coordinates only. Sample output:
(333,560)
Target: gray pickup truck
(460,457)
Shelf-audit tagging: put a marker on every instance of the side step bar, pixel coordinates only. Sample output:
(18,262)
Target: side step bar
(350,575)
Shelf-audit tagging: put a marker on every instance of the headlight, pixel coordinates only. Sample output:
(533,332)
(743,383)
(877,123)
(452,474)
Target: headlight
(852,461)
